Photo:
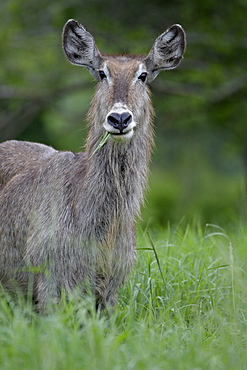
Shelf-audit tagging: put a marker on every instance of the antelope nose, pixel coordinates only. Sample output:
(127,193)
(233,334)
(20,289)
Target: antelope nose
(119,121)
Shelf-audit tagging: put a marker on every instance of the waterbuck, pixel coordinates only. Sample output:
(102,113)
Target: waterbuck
(68,220)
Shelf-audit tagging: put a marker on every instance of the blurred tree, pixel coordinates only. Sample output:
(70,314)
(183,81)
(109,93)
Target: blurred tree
(210,86)
(202,104)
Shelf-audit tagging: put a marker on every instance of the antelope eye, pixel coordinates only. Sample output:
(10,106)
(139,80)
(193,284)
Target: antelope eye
(102,75)
(143,76)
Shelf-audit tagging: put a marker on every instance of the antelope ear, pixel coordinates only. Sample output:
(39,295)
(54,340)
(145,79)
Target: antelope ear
(167,51)
(80,48)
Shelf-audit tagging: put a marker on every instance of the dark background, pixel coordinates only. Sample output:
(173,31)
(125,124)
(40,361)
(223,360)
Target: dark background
(200,161)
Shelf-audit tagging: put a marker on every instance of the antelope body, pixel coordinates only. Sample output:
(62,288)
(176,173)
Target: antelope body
(67,220)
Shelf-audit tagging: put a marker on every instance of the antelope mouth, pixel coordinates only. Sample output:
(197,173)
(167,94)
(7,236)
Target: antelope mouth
(121,136)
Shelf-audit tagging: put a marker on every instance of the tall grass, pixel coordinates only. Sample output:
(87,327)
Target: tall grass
(184,307)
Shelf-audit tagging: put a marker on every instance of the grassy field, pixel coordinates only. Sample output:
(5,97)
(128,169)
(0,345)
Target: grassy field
(183,307)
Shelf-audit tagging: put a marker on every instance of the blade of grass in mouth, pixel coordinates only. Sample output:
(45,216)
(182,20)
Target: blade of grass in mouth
(103,140)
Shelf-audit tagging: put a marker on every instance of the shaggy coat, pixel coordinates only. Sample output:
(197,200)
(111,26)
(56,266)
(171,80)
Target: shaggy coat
(68,220)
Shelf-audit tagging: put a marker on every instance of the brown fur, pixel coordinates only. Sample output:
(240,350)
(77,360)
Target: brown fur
(67,220)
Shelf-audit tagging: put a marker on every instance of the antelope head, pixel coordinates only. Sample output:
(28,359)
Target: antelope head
(123,94)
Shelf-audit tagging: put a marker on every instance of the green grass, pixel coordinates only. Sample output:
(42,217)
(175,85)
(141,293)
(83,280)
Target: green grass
(183,307)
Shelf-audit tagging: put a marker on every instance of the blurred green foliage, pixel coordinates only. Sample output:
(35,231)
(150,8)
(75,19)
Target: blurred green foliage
(201,112)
